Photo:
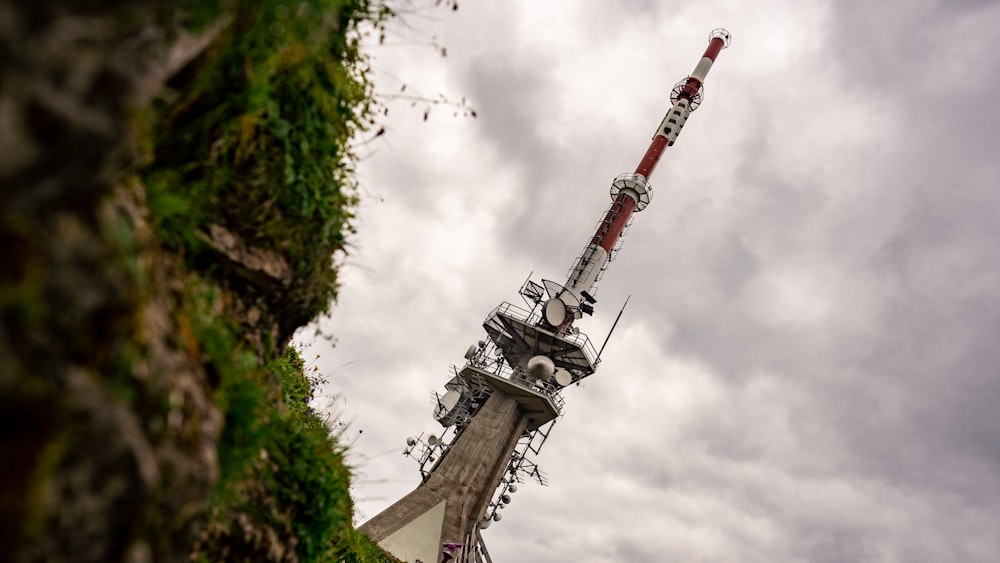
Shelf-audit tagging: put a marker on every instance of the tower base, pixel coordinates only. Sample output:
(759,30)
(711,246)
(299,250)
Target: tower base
(448,505)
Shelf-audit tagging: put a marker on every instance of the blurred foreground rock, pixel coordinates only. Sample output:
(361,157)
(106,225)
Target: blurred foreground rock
(108,440)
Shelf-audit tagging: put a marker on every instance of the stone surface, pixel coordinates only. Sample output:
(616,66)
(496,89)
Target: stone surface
(258,265)
(109,428)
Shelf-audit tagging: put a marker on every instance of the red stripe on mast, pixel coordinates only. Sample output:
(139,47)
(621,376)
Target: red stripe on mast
(652,156)
(614,222)
(631,192)
(714,47)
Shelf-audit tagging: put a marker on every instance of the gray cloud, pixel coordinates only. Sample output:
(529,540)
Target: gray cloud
(808,366)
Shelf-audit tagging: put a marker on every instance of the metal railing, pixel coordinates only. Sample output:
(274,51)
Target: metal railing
(521,378)
(577,338)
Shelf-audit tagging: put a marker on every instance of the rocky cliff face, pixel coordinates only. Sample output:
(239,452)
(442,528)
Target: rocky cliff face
(110,430)
(117,393)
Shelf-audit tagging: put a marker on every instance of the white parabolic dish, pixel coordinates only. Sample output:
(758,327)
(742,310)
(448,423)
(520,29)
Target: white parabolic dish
(563,377)
(555,312)
(446,403)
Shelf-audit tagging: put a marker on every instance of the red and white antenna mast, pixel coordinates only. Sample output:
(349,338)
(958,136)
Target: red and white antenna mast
(631,193)
(501,405)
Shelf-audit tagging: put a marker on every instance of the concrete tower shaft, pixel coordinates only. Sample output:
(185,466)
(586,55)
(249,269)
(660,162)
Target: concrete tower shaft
(454,497)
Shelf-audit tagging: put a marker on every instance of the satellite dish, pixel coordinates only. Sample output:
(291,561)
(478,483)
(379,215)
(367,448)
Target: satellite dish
(541,367)
(497,352)
(497,517)
(471,352)
(512,488)
(563,377)
(411,441)
(433,440)
(486,524)
(554,311)
(445,405)
(505,499)
(482,343)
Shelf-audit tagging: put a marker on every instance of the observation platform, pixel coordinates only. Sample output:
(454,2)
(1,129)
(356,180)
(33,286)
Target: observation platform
(516,332)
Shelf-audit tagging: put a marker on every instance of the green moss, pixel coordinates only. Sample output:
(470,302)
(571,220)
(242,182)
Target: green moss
(256,139)
(296,387)
(359,549)
(310,481)
(259,139)
(280,465)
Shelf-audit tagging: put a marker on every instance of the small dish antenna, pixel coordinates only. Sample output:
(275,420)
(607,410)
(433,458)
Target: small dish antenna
(433,440)
(471,352)
(411,441)
(512,488)
(563,377)
(446,404)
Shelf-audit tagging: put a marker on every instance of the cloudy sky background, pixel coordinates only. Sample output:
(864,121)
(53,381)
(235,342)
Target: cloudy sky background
(809,367)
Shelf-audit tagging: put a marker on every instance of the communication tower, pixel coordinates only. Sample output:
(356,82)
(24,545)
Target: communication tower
(499,407)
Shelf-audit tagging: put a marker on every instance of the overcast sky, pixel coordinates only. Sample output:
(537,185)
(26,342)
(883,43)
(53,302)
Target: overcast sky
(809,367)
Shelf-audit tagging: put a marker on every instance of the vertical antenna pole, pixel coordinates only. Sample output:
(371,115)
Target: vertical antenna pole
(631,193)
(613,325)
